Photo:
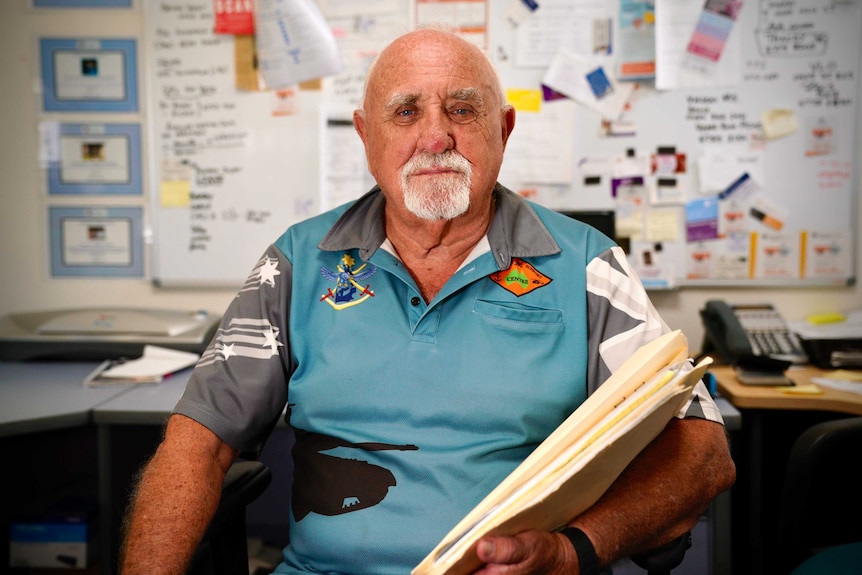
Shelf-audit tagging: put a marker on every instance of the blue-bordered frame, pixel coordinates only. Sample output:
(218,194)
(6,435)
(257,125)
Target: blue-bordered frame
(133,186)
(126,47)
(133,215)
(82,3)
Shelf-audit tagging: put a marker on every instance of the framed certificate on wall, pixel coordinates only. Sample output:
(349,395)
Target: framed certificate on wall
(82,3)
(94,159)
(96,241)
(89,75)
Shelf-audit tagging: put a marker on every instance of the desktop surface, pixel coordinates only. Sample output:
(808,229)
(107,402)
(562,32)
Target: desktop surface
(48,395)
(778,397)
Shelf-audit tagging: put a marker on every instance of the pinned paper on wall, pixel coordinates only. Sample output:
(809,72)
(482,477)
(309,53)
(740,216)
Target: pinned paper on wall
(584,80)
(519,10)
(827,254)
(294,42)
(776,255)
(778,123)
(234,17)
(686,59)
(466,18)
(701,219)
(819,137)
(631,210)
(720,167)
(713,29)
(541,149)
(663,224)
(636,52)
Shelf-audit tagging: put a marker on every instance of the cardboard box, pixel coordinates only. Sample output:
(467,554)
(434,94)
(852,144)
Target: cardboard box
(56,540)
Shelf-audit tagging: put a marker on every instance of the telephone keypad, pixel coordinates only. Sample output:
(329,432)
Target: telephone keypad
(767,332)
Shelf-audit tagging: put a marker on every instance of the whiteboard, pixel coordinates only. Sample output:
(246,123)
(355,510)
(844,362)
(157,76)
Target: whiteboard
(229,172)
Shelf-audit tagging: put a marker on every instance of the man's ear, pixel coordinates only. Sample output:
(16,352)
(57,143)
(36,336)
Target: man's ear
(359,123)
(507,123)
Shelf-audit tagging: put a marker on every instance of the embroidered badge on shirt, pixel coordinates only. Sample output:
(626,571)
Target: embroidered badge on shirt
(348,292)
(520,278)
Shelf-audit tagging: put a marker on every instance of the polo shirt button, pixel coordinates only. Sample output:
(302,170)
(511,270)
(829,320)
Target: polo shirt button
(414,301)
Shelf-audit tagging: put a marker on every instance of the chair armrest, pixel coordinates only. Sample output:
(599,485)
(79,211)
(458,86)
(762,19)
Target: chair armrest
(662,559)
(224,548)
(243,483)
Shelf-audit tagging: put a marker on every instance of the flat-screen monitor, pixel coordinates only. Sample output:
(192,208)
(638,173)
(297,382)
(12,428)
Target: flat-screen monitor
(602,220)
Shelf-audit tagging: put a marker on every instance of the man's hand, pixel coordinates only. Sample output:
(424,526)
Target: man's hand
(528,553)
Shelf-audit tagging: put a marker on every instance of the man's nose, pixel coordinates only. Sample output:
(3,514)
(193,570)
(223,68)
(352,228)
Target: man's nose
(435,134)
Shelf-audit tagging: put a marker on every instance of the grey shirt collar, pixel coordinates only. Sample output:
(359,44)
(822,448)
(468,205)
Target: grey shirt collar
(516,230)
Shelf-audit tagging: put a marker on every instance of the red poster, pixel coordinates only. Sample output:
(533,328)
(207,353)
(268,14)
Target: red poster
(234,17)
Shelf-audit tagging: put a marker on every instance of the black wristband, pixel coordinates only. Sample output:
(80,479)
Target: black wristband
(588,561)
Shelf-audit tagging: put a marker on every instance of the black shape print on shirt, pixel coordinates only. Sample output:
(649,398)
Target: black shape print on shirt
(330,485)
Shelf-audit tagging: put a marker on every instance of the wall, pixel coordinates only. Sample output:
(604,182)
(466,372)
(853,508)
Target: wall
(24,255)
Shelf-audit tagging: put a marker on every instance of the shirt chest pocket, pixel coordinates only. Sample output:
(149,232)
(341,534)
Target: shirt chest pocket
(516,317)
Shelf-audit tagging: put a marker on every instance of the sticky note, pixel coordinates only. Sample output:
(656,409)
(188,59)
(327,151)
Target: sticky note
(806,389)
(525,100)
(175,193)
(828,317)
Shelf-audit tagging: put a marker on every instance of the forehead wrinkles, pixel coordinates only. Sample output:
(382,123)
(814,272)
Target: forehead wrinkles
(406,99)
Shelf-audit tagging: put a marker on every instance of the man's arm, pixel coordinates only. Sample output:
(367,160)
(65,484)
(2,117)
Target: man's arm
(658,497)
(175,499)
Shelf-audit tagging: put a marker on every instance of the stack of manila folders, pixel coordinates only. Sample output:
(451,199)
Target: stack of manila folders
(571,469)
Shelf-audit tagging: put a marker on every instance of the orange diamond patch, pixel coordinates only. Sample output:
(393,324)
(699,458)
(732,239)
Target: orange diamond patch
(520,278)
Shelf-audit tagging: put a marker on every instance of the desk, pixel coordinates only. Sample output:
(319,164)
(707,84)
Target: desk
(46,396)
(40,397)
(46,407)
(759,403)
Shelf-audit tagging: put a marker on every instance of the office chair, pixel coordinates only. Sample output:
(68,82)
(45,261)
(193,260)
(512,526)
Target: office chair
(821,501)
(224,547)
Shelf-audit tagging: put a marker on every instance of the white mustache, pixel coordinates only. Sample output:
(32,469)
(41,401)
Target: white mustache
(449,160)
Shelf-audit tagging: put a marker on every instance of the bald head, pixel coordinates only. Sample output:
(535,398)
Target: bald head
(411,50)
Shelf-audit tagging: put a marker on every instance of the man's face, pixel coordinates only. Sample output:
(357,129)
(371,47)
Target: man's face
(434,129)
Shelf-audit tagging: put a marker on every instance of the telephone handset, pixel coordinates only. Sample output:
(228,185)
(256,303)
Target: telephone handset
(741,332)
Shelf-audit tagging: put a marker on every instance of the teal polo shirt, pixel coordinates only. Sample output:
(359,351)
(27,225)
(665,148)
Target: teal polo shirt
(407,413)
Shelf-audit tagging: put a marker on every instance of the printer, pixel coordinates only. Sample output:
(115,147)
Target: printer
(102,333)
(836,345)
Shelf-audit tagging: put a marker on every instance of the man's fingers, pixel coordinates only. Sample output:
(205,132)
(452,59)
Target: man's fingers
(502,550)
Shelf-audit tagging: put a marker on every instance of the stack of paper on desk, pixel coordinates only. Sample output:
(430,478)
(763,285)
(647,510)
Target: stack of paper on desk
(153,366)
(576,464)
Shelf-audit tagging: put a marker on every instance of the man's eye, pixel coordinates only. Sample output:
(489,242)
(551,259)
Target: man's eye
(462,114)
(404,116)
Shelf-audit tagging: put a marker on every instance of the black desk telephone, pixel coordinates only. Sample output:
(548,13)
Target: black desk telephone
(739,332)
